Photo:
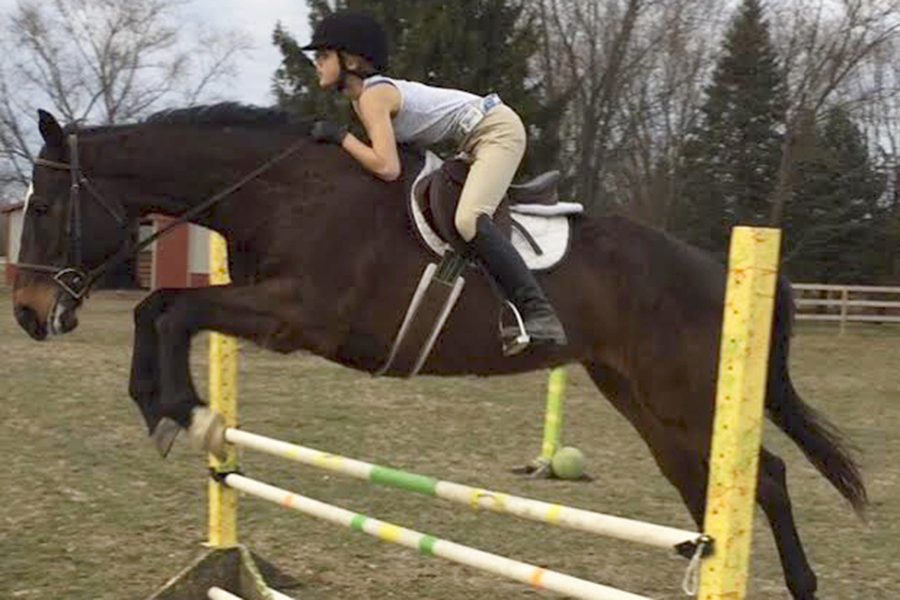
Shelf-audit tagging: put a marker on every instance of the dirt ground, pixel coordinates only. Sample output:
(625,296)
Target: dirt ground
(89,511)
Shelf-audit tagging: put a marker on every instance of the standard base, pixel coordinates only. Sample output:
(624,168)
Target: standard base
(235,570)
(536,469)
(541,469)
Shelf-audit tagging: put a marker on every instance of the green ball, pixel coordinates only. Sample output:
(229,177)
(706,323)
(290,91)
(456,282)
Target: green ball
(568,463)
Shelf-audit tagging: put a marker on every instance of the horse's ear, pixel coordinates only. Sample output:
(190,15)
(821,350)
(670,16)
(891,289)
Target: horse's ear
(50,129)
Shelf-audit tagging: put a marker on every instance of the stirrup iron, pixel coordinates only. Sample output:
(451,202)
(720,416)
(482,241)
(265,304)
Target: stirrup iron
(513,345)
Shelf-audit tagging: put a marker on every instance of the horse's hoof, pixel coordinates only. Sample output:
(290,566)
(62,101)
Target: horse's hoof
(207,431)
(164,435)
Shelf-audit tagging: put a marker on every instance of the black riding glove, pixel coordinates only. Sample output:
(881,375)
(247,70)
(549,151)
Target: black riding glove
(328,132)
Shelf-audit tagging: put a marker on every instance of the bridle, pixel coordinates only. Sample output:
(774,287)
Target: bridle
(72,277)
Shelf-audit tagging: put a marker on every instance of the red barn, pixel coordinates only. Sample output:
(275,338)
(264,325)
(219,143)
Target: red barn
(179,259)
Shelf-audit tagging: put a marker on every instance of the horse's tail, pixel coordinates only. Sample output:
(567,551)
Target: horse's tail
(821,441)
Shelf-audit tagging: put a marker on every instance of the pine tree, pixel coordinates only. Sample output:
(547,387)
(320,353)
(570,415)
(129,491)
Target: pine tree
(481,46)
(835,223)
(731,162)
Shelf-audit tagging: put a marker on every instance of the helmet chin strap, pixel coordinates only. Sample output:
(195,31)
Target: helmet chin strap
(341,84)
(342,75)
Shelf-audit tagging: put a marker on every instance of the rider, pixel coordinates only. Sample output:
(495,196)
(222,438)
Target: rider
(350,56)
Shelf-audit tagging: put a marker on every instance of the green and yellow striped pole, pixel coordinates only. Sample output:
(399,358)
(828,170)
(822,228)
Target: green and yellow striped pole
(475,498)
(222,399)
(533,575)
(556,392)
(737,428)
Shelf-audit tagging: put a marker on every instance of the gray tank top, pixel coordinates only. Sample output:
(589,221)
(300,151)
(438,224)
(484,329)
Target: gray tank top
(428,115)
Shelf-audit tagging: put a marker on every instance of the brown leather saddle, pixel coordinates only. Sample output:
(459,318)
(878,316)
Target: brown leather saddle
(437,196)
(432,202)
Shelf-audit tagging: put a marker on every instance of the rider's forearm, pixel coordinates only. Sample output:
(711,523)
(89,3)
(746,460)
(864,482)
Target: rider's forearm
(384,168)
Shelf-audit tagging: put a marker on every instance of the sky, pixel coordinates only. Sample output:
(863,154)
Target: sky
(256,19)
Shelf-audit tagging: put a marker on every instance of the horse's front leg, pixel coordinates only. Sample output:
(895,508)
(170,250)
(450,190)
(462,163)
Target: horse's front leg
(268,314)
(143,385)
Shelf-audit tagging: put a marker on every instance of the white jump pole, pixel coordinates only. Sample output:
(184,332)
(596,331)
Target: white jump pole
(527,508)
(532,575)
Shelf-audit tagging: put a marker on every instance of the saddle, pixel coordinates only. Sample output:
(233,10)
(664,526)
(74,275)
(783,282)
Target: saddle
(438,193)
(530,214)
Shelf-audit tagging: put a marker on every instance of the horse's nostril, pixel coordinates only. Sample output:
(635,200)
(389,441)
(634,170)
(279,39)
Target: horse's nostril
(28,320)
(23,315)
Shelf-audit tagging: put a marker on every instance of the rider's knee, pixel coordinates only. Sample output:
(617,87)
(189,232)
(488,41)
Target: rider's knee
(465,223)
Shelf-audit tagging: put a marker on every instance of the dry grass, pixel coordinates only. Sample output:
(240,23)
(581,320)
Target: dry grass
(90,512)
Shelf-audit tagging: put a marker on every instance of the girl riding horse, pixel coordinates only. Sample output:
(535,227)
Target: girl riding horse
(350,55)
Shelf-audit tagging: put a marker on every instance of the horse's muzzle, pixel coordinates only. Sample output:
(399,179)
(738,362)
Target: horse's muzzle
(61,318)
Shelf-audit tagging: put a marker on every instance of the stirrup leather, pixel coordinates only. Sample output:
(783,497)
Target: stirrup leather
(448,280)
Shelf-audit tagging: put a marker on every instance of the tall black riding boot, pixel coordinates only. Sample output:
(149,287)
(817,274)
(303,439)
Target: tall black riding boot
(506,266)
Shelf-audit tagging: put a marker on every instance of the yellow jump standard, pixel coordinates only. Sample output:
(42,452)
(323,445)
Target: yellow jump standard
(740,396)
(225,563)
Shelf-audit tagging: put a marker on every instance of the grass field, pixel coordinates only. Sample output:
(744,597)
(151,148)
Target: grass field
(89,511)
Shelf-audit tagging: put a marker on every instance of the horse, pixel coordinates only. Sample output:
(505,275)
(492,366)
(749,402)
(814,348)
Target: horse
(323,258)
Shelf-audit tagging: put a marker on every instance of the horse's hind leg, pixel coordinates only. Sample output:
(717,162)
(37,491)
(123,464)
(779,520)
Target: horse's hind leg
(680,464)
(685,466)
(773,497)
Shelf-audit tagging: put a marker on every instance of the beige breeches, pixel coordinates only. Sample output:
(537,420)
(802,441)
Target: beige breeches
(497,145)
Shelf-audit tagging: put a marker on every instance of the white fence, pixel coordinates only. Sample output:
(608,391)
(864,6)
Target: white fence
(847,303)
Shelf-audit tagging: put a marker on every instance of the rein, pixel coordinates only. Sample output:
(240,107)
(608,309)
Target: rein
(72,278)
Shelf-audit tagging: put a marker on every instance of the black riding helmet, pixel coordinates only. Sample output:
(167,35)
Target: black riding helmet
(353,32)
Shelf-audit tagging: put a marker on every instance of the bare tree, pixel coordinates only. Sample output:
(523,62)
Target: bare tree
(635,70)
(589,46)
(662,106)
(104,61)
(881,120)
(827,46)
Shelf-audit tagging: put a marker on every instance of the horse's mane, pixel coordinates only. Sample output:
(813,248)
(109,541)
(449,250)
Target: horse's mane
(226,114)
(231,113)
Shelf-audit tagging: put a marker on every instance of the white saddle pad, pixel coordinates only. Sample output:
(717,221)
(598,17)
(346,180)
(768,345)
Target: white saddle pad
(549,226)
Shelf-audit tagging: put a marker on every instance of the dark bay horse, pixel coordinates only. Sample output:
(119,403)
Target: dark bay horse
(323,258)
